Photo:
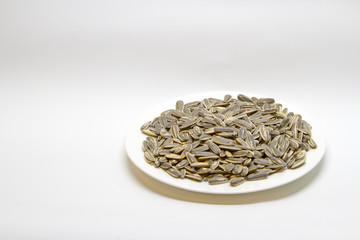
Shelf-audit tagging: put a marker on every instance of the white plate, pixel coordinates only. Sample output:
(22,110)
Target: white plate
(134,138)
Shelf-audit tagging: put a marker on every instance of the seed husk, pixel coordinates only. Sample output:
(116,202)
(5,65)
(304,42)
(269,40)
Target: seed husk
(237,169)
(298,163)
(237,181)
(174,172)
(222,140)
(200,164)
(195,177)
(213,147)
(244,171)
(263,161)
(203,170)
(218,180)
(191,158)
(182,164)
(149,156)
(173,156)
(200,149)
(180,105)
(257,176)
(312,143)
(264,133)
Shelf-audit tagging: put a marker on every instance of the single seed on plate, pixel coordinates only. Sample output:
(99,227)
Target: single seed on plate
(165,165)
(195,177)
(213,147)
(257,176)
(222,140)
(245,98)
(182,173)
(229,167)
(237,181)
(264,133)
(244,171)
(298,163)
(235,160)
(149,156)
(237,169)
(227,98)
(203,170)
(218,180)
(174,172)
(263,161)
(214,165)
(200,149)
(190,169)
(182,164)
(290,162)
(191,158)
(180,105)
(312,143)
(200,164)
(228,154)
(173,156)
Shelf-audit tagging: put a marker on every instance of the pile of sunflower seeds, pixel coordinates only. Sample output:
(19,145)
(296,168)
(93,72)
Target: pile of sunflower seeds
(229,140)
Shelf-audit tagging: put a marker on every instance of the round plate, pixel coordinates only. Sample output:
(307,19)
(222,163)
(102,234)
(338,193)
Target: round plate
(134,139)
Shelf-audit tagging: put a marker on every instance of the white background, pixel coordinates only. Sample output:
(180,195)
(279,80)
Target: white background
(73,75)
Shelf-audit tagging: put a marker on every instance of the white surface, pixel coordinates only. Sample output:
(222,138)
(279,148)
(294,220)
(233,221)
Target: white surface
(73,75)
(134,139)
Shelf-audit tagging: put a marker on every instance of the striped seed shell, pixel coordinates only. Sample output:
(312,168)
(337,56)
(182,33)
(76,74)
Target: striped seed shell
(257,176)
(218,180)
(237,181)
(213,147)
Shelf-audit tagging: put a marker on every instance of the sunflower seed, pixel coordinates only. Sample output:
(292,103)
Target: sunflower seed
(222,140)
(263,161)
(232,148)
(190,169)
(180,105)
(257,176)
(165,165)
(173,156)
(298,163)
(188,123)
(191,158)
(218,180)
(227,98)
(290,162)
(237,181)
(200,164)
(227,154)
(174,131)
(203,170)
(149,156)
(149,132)
(244,98)
(195,177)
(244,171)
(263,101)
(229,167)
(182,164)
(174,172)
(213,147)
(312,143)
(264,133)
(237,169)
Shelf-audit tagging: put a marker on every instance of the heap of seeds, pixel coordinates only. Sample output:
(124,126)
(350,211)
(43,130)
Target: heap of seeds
(229,140)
